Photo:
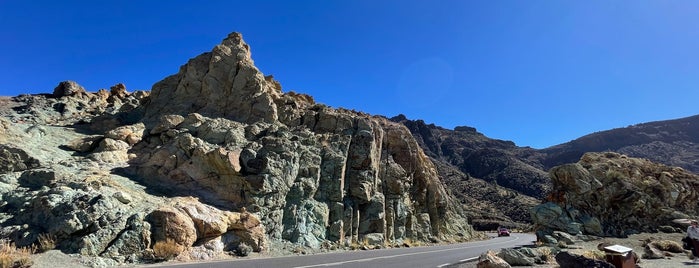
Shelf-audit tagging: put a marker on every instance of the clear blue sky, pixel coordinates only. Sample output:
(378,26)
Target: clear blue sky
(538,73)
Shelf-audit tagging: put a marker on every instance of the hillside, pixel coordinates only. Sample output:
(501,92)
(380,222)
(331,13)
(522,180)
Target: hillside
(671,142)
(499,181)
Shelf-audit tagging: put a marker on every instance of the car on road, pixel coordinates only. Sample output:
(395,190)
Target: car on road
(502,231)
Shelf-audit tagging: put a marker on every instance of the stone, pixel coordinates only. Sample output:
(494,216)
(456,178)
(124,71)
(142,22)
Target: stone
(123,197)
(609,194)
(15,159)
(652,252)
(567,260)
(490,259)
(68,88)
(170,223)
(130,134)
(85,144)
(167,122)
(118,91)
(515,258)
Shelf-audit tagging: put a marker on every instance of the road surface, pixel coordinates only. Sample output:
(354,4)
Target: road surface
(428,256)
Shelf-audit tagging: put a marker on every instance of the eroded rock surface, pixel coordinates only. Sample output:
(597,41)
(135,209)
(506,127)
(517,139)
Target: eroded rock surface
(215,159)
(610,194)
(223,131)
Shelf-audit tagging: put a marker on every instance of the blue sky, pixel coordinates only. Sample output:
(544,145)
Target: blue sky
(538,73)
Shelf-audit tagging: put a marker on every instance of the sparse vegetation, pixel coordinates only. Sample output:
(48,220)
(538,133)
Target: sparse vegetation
(594,254)
(166,250)
(14,257)
(46,242)
(546,254)
(667,245)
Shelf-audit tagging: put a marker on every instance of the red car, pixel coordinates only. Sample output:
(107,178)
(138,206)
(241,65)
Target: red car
(503,232)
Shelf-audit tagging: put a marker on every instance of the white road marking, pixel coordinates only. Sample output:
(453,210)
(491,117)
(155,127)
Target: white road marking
(395,256)
(442,265)
(469,259)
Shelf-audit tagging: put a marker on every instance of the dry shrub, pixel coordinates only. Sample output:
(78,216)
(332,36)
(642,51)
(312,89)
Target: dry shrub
(667,245)
(166,250)
(546,254)
(594,254)
(13,257)
(46,242)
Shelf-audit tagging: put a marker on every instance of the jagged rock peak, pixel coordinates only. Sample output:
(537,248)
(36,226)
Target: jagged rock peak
(221,83)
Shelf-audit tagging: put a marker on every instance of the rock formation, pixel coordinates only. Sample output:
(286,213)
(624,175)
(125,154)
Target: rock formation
(610,194)
(221,130)
(215,158)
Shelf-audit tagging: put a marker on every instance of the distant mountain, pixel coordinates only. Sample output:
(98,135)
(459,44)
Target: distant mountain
(671,142)
(498,181)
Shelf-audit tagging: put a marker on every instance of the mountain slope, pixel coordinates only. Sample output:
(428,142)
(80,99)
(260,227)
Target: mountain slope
(498,181)
(671,142)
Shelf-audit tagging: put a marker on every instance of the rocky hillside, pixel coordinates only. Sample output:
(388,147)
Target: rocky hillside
(610,194)
(215,158)
(482,171)
(671,142)
(497,181)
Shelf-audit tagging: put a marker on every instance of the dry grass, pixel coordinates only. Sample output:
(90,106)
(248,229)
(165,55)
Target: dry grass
(547,254)
(46,242)
(166,250)
(410,243)
(594,254)
(13,257)
(668,245)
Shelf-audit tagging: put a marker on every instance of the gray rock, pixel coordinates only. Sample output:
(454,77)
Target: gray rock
(515,257)
(123,197)
(490,259)
(567,260)
(15,159)
(68,88)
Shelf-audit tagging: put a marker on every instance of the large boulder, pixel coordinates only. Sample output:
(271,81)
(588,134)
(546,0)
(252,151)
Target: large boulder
(490,259)
(68,88)
(614,195)
(568,260)
(15,159)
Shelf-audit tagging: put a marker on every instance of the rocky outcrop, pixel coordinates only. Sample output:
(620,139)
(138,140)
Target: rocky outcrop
(221,130)
(70,104)
(15,159)
(221,83)
(204,232)
(490,259)
(215,159)
(615,195)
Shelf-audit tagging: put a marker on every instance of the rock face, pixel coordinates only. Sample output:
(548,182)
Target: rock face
(222,83)
(214,159)
(609,194)
(222,131)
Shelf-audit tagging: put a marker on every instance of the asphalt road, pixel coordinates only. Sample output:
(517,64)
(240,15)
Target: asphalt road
(429,256)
